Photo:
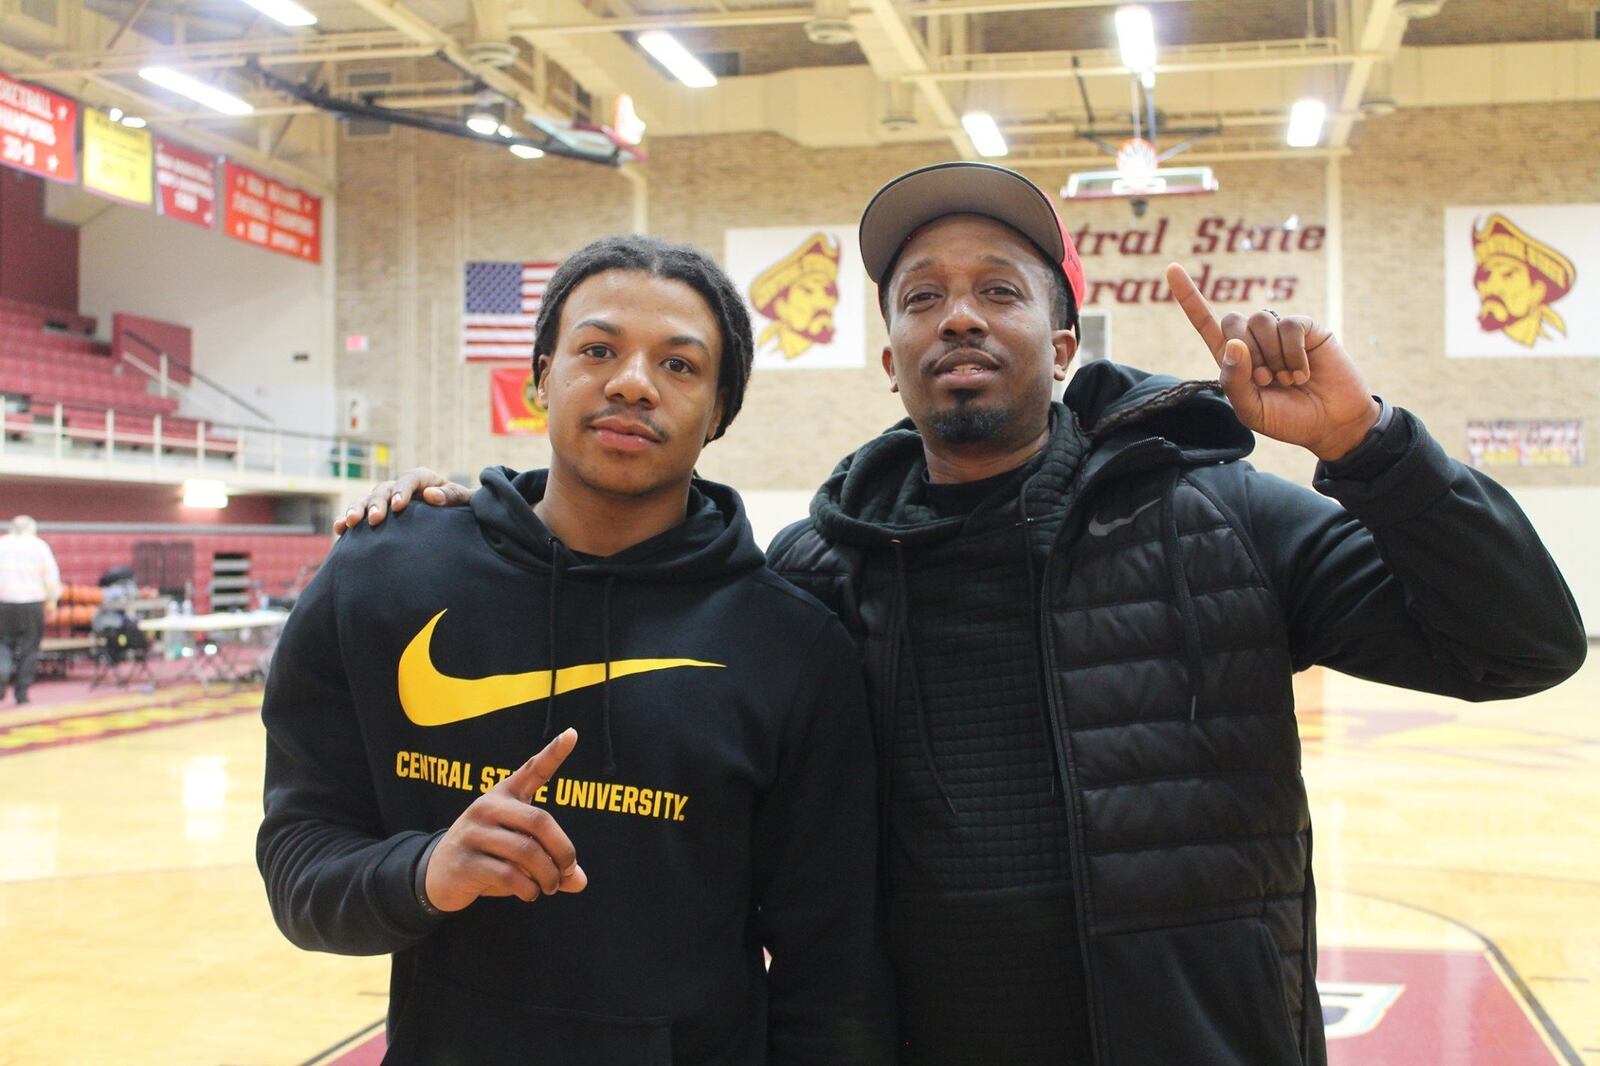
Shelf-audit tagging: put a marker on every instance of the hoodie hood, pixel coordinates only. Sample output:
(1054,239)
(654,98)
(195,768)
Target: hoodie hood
(877,495)
(713,539)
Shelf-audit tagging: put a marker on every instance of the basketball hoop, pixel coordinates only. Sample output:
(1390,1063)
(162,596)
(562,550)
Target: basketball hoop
(1137,162)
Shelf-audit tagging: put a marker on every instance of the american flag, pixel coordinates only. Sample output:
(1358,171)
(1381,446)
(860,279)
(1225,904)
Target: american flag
(501,304)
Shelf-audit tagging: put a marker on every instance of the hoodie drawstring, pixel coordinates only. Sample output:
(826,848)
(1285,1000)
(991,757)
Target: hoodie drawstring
(1187,616)
(557,568)
(605,689)
(924,729)
(557,564)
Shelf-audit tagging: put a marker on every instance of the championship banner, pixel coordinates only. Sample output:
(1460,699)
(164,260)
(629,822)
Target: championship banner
(272,215)
(803,285)
(1522,280)
(514,406)
(1525,442)
(117,160)
(187,180)
(38,130)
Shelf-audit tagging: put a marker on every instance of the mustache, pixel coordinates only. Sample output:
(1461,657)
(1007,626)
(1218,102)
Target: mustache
(934,365)
(625,415)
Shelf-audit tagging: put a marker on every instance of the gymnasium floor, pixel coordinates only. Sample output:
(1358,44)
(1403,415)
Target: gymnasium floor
(1455,856)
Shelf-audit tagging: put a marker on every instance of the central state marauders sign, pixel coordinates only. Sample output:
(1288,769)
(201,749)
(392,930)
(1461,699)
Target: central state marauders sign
(272,215)
(38,130)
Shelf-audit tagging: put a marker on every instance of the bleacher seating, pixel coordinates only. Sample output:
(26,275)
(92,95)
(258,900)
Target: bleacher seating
(46,367)
(276,560)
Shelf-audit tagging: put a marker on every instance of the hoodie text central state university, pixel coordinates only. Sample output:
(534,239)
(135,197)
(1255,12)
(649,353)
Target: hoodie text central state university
(720,797)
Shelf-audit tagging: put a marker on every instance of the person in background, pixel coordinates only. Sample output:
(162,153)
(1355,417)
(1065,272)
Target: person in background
(30,585)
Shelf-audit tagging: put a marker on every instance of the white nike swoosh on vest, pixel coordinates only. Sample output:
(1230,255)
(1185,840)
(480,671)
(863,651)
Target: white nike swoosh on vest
(1098,528)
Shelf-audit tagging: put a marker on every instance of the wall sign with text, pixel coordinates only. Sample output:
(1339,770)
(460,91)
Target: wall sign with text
(272,215)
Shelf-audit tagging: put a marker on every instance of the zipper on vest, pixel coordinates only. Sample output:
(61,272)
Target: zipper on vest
(1066,768)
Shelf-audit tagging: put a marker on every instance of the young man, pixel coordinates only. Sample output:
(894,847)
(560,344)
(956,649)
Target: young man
(607,900)
(30,585)
(1080,623)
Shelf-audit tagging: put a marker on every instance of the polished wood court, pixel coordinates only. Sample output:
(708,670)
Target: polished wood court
(1455,854)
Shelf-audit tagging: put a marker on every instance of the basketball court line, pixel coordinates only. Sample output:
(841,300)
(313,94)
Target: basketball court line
(1522,995)
(348,1043)
(60,730)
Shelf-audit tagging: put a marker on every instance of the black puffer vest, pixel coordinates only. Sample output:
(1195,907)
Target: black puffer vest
(1166,679)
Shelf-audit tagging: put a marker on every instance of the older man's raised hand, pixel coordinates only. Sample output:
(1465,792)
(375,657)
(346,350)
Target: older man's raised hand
(1287,377)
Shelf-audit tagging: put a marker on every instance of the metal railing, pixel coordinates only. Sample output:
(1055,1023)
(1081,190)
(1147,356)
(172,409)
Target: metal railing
(161,375)
(67,431)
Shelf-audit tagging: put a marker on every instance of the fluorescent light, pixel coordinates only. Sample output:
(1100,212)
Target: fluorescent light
(676,58)
(285,11)
(985,134)
(483,122)
(134,122)
(198,91)
(1136,38)
(208,495)
(525,151)
(115,114)
(1305,122)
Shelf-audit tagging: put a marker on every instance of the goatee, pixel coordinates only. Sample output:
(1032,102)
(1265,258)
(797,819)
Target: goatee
(969,425)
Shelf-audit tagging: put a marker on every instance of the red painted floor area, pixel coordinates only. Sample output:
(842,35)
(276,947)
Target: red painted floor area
(1382,1008)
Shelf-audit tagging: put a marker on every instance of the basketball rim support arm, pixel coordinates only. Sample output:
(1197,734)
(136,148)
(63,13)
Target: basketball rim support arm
(610,155)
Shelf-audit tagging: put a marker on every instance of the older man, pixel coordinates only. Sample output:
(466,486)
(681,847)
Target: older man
(30,585)
(1080,623)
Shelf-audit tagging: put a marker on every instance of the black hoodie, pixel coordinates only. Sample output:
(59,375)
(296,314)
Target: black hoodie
(1097,837)
(720,795)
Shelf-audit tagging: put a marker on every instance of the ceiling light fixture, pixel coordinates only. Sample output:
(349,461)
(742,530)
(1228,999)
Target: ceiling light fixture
(198,91)
(1305,122)
(676,58)
(985,134)
(1136,38)
(286,12)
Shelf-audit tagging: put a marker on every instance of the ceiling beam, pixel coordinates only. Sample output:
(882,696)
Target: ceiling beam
(1201,59)
(895,52)
(140,104)
(786,16)
(396,14)
(1379,42)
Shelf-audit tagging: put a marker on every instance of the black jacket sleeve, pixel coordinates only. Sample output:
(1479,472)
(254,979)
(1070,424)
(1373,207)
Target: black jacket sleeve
(1417,571)
(335,879)
(829,993)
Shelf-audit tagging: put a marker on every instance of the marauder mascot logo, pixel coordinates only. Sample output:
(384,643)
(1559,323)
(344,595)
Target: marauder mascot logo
(799,293)
(1517,279)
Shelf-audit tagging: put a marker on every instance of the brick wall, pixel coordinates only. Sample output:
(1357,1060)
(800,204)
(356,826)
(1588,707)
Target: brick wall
(415,207)
(1480,21)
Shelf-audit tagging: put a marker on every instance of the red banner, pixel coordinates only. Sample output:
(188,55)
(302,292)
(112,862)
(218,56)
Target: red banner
(272,215)
(187,182)
(38,130)
(514,405)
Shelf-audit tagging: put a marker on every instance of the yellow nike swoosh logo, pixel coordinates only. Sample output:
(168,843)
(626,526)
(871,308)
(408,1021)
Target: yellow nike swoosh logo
(431,698)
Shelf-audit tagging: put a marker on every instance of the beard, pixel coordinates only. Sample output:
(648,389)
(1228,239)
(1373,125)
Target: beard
(969,424)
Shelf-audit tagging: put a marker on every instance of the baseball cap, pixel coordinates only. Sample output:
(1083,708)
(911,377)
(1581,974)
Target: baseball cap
(918,197)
